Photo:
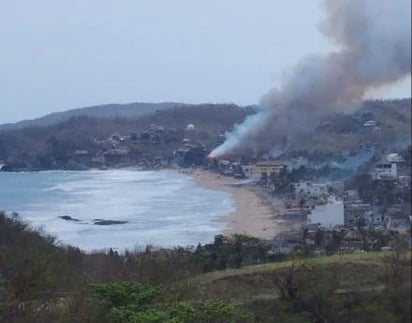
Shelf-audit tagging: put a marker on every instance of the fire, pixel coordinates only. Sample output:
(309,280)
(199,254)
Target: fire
(212,156)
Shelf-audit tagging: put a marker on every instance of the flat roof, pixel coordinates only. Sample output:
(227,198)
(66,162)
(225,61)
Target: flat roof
(270,163)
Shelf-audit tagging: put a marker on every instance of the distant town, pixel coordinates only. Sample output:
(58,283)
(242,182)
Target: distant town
(337,195)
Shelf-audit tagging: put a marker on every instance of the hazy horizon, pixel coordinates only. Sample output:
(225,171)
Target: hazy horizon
(59,55)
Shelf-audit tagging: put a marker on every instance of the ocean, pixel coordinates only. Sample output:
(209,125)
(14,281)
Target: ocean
(162,208)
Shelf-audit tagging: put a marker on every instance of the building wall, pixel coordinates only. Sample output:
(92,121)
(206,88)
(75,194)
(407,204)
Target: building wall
(355,211)
(385,170)
(311,188)
(328,215)
(259,171)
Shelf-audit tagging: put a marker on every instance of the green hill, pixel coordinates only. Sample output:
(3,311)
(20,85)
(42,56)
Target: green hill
(42,282)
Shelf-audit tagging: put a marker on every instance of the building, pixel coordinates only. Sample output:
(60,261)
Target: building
(98,161)
(265,168)
(316,189)
(297,163)
(190,128)
(133,136)
(117,156)
(351,195)
(370,123)
(310,188)
(385,169)
(377,131)
(82,156)
(190,155)
(81,153)
(395,158)
(357,213)
(115,138)
(328,215)
(404,181)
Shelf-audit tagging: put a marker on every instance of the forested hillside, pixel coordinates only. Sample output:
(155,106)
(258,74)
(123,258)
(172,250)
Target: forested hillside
(384,123)
(38,147)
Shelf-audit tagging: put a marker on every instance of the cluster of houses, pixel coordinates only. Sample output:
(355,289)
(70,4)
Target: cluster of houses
(146,149)
(337,221)
(388,168)
(317,204)
(363,122)
(249,169)
(326,204)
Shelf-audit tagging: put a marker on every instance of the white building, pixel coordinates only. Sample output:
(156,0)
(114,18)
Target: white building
(190,127)
(328,215)
(385,169)
(377,131)
(370,123)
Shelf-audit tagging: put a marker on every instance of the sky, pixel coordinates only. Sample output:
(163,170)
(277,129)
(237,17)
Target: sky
(57,55)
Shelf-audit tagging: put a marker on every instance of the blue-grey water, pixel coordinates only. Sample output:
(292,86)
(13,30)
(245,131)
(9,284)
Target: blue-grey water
(164,208)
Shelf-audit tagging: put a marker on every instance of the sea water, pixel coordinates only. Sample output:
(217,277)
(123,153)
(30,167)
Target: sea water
(163,208)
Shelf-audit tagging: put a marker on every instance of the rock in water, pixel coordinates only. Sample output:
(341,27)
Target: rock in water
(108,222)
(68,218)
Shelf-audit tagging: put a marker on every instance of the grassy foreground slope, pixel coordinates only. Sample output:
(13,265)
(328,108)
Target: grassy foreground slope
(361,271)
(43,282)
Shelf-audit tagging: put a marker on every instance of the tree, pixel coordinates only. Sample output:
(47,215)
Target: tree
(319,237)
(2,290)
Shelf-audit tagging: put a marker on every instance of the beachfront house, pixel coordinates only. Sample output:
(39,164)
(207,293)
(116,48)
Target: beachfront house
(116,156)
(264,168)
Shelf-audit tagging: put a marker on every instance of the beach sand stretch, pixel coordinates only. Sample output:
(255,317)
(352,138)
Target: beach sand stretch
(256,214)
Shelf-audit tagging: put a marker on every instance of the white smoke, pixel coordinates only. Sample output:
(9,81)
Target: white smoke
(374,37)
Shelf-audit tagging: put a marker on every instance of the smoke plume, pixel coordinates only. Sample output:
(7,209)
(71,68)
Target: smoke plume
(374,39)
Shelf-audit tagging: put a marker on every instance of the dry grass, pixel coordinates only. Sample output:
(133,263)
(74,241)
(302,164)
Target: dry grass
(354,271)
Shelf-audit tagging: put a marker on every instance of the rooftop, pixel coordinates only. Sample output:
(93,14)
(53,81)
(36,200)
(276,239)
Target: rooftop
(270,163)
(384,161)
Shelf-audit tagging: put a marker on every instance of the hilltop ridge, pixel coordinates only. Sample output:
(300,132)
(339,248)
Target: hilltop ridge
(127,110)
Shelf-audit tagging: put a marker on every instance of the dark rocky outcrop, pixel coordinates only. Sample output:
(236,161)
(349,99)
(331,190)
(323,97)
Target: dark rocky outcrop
(68,218)
(108,222)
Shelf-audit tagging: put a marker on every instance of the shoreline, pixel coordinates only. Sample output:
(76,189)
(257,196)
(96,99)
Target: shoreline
(256,213)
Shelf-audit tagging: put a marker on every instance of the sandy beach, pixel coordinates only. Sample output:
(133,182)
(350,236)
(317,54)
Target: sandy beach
(256,213)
